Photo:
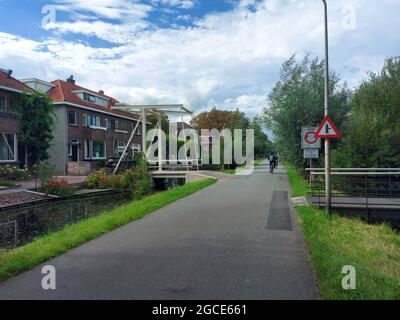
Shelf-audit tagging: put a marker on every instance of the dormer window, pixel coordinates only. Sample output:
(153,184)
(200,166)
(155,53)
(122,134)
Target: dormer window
(92,97)
(89,97)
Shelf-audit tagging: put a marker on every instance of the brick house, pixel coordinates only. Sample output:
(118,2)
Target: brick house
(88,130)
(11,151)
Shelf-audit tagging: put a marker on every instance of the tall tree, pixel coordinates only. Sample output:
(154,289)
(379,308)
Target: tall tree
(373,135)
(297,100)
(223,119)
(37,123)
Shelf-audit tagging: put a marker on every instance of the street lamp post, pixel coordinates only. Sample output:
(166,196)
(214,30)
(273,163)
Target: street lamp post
(326,109)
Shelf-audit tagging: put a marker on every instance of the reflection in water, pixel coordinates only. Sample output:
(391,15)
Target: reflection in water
(19,226)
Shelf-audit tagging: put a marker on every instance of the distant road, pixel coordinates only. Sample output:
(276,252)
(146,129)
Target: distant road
(233,240)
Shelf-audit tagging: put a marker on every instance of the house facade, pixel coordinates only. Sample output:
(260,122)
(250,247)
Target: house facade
(88,130)
(12,152)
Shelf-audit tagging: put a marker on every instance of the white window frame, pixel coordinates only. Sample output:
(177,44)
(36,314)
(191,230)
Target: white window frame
(120,148)
(85,120)
(15,151)
(92,149)
(89,97)
(137,147)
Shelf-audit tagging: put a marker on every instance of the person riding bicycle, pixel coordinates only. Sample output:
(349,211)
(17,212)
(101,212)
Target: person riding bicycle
(272,162)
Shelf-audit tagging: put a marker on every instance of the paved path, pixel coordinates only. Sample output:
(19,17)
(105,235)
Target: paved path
(233,240)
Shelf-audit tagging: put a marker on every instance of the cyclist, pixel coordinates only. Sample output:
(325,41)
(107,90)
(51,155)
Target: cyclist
(272,163)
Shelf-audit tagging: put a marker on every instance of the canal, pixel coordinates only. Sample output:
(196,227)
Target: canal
(21,225)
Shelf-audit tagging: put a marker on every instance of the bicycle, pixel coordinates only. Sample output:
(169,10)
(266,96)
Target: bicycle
(272,167)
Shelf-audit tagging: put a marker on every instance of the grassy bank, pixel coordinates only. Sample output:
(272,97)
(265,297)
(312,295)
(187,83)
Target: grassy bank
(298,183)
(233,171)
(42,249)
(333,242)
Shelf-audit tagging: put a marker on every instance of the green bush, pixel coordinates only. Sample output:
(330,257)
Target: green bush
(95,179)
(101,180)
(59,188)
(9,172)
(136,179)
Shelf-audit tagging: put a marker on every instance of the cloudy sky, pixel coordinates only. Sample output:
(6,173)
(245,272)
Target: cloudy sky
(197,52)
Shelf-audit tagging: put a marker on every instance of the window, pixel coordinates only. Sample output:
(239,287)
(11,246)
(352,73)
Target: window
(138,129)
(99,149)
(93,121)
(72,118)
(107,123)
(89,97)
(8,147)
(136,148)
(116,125)
(86,147)
(85,120)
(123,126)
(111,124)
(120,148)
(3,104)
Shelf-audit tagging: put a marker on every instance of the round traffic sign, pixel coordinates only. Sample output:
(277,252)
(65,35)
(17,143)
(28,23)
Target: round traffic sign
(311,137)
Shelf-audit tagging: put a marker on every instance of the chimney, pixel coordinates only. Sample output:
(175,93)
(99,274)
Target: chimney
(101,92)
(9,73)
(71,80)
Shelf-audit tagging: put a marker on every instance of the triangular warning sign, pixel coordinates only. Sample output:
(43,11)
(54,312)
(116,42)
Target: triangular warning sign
(327,129)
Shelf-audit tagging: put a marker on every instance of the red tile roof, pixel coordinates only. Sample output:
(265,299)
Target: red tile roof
(12,83)
(63,91)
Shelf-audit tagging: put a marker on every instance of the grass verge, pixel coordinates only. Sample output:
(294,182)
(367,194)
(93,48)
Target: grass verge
(298,183)
(46,247)
(334,242)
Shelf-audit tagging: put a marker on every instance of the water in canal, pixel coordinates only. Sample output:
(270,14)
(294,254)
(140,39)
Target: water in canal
(20,225)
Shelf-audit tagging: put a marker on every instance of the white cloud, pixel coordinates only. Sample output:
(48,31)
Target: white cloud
(251,103)
(129,17)
(114,33)
(110,9)
(230,59)
(184,4)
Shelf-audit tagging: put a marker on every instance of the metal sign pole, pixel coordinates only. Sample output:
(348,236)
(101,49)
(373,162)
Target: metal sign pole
(326,109)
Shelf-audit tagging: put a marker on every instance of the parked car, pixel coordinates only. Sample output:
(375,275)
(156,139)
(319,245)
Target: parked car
(112,162)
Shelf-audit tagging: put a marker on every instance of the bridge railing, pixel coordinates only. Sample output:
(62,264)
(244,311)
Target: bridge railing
(357,187)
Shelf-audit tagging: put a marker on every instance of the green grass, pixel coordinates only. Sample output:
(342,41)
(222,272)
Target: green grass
(234,171)
(298,183)
(374,251)
(333,242)
(44,248)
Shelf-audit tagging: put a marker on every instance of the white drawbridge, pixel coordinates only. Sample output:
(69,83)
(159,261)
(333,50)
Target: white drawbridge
(177,110)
